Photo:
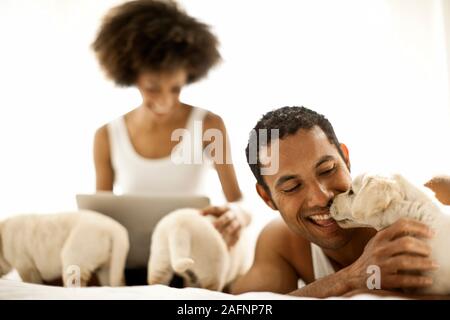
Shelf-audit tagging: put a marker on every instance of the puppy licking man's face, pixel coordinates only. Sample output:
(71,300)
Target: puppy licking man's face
(364,203)
(311,172)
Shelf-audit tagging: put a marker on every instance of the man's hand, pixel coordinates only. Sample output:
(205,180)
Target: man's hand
(440,185)
(399,251)
(229,223)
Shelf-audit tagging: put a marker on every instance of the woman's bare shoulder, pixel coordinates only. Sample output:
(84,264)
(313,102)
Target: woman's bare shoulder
(213,120)
(101,134)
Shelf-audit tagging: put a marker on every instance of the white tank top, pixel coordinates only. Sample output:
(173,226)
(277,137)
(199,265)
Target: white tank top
(321,264)
(136,174)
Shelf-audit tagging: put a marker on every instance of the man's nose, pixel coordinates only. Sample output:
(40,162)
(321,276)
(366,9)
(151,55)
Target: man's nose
(319,195)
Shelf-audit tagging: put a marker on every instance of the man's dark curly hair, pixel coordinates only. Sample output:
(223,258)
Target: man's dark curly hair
(153,35)
(288,120)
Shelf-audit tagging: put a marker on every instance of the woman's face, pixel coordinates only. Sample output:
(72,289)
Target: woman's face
(161,90)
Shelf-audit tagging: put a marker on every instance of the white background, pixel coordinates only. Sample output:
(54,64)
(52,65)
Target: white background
(379,70)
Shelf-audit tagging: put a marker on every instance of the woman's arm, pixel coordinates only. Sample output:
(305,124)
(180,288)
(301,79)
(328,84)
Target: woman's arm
(222,157)
(232,217)
(102,160)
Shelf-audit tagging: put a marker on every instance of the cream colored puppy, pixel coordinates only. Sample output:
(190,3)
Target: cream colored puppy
(378,202)
(48,247)
(186,243)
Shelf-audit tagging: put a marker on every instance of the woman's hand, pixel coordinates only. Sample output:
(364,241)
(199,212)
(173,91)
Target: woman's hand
(440,185)
(229,222)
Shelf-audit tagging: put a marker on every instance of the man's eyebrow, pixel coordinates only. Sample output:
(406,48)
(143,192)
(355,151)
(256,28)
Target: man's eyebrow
(283,179)
(324,159)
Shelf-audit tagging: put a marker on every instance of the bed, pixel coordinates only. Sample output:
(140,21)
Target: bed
(12,288)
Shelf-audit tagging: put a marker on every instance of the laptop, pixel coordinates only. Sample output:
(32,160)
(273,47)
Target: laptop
(139,214)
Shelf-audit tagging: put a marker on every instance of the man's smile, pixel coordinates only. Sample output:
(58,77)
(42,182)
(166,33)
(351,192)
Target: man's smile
(322,220)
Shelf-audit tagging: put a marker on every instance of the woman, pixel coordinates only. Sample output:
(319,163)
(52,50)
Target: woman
(159,49)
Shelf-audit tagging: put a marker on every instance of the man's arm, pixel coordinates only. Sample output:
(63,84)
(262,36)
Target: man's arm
(333,285)
(392,249)
(400,247)
(270,272)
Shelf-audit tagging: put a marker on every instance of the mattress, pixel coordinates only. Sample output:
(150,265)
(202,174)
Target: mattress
(17,290)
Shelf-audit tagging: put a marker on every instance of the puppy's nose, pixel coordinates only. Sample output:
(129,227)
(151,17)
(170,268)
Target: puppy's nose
(333,210)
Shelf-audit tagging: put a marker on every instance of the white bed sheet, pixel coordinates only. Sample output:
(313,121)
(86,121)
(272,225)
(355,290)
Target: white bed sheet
(17,290)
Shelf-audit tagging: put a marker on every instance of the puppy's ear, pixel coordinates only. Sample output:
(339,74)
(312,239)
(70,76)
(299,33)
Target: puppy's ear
(375,196)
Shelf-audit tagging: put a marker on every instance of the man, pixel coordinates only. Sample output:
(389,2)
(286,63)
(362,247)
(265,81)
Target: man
(307,244)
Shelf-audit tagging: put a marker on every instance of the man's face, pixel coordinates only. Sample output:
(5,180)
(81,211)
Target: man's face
(311,173)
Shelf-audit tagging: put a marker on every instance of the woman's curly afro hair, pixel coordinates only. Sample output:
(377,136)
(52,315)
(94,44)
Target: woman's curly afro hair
(153,35)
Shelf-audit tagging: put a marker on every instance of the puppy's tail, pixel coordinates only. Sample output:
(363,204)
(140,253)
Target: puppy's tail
(180,250)
(119,253)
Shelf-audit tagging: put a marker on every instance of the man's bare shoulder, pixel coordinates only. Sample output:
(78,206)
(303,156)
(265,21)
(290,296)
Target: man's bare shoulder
(279,240)
(277,235)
